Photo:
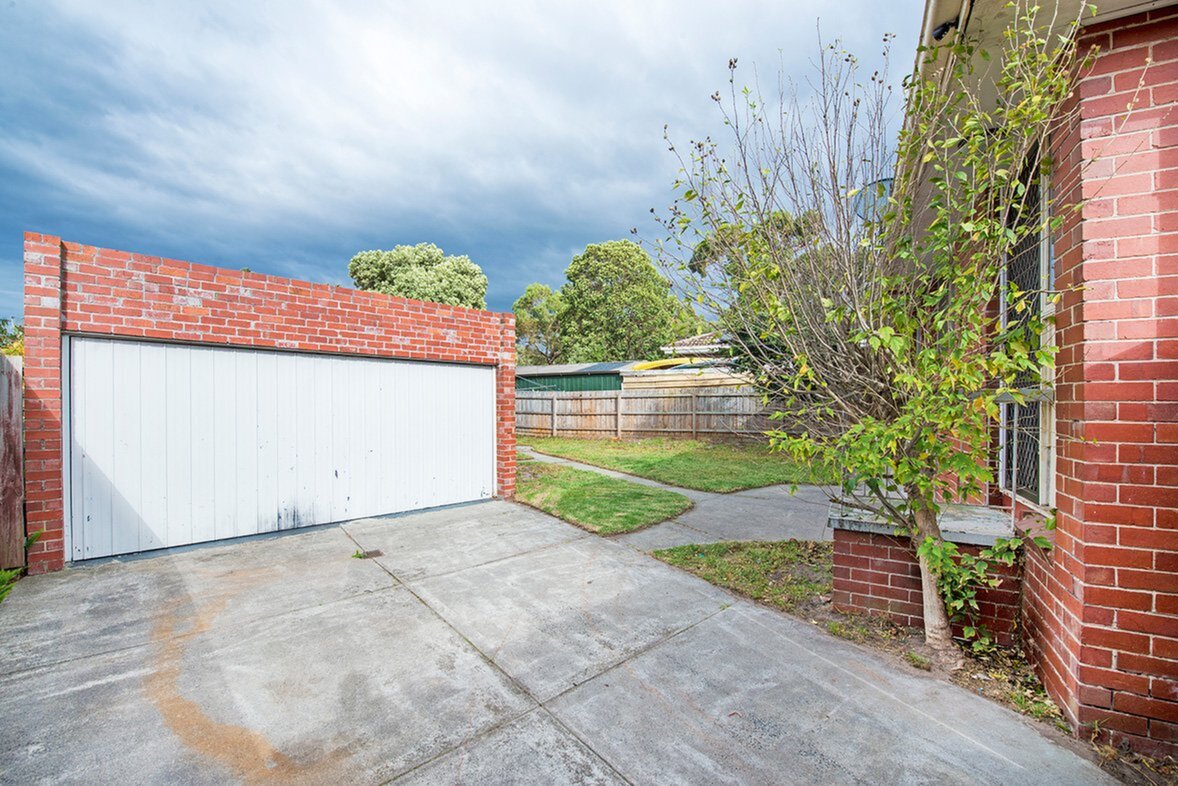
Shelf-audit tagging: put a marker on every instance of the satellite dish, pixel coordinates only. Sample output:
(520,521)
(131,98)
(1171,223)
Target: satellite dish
(872,199)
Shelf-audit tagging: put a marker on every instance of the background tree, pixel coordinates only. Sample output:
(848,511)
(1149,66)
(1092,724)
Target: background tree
(12,337)
(538,312)
(617,306)
(421,272)
(688,321)
(874,332)
(779,228)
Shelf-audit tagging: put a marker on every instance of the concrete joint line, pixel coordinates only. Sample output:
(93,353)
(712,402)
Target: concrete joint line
(637,653)
(186,634)
(489,730)
(540,550)
(542,705)
(494,727)
(409,588)
(619,537)
(588,746)
(496,667)
(408,585)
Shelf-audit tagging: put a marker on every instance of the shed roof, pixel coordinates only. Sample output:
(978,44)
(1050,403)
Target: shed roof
(569,369)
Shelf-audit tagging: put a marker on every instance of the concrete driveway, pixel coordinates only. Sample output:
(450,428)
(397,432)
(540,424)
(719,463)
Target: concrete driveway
(489,644)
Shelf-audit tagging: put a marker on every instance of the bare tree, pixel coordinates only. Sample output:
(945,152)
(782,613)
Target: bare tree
(856,263)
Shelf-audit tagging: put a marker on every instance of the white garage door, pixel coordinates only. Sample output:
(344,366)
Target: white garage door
(173,444)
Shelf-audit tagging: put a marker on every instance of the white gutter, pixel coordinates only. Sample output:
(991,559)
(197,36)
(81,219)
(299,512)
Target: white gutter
(1129,10)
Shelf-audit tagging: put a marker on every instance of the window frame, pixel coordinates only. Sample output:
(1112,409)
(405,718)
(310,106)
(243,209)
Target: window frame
(1046,396)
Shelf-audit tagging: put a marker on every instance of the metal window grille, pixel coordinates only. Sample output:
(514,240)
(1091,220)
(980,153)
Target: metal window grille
(1022,424)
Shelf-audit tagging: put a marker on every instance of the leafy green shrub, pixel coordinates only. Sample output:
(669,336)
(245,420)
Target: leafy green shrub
(960,575)
(918,661)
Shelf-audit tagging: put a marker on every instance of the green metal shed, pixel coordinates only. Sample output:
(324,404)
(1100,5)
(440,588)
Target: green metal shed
(572,376)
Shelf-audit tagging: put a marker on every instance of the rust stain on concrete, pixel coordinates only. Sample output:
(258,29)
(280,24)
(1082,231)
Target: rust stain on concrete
(246,752)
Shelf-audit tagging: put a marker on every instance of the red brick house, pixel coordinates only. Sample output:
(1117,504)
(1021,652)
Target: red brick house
(1099,610)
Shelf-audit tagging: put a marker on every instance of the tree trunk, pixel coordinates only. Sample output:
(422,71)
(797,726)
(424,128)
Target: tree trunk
(938,634)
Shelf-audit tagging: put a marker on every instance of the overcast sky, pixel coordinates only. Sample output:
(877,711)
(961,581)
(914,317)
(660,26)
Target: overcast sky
(286,136)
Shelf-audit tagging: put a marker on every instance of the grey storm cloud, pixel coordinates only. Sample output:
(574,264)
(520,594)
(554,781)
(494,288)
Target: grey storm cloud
(285,136)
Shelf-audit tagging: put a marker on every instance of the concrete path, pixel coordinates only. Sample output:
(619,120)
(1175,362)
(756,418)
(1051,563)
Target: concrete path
(770,513)
(489,644)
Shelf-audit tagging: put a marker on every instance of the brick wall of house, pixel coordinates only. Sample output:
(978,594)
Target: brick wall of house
(76,289)
(1051,610)
(1101,608)
(1050,614)
(878,574)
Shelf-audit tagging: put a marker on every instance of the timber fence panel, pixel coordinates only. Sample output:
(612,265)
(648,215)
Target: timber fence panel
(683,413)
(12,487)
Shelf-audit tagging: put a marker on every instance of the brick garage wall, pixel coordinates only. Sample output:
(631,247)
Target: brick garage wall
(879,575)
(76,289)
(1101,608)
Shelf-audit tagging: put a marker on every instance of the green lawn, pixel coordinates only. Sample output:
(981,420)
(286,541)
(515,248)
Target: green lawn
(787,574)
(601,504)
(686,463)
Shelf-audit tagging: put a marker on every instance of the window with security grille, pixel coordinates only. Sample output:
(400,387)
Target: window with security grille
(1023,449)
(1026,463)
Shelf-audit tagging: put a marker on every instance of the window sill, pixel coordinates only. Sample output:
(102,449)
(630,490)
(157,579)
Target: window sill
(1026,507)
(975,525)
(1033,523)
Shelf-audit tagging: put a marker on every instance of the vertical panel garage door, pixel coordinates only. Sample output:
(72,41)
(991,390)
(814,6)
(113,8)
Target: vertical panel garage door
(173,444)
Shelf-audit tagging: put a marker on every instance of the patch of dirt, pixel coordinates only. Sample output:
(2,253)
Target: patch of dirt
(801,572)
(528,471)
(1005,676)
(1133,768)
(810,565)
(877,632)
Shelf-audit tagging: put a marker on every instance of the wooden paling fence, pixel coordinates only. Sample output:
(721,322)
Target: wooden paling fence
(12,494)
(684,413)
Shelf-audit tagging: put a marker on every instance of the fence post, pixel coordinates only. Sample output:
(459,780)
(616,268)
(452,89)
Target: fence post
(552,412)
(618,415)
(12,492)
(694,412)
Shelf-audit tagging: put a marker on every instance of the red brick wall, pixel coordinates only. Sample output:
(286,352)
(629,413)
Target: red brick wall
(71,288)
(1050,611)
(879,574)
(1101,608)
(42,401)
